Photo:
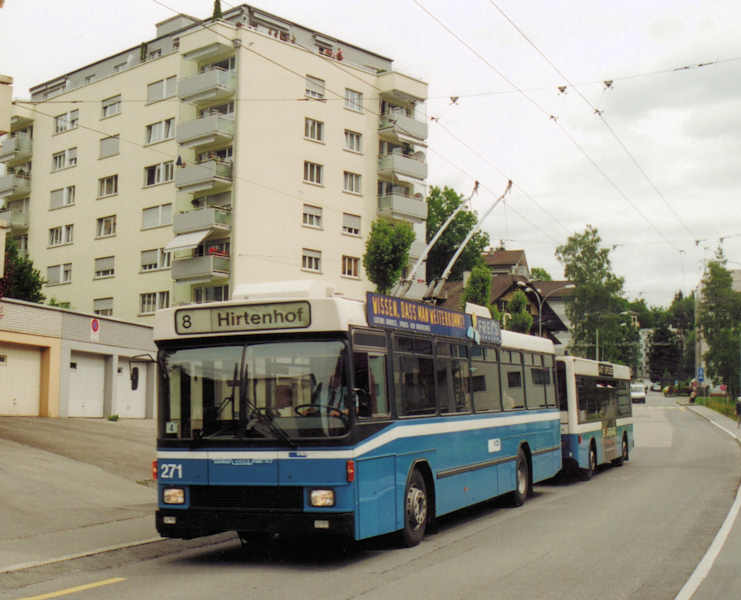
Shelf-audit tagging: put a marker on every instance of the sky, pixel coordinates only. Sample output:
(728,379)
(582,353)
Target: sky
(643,142)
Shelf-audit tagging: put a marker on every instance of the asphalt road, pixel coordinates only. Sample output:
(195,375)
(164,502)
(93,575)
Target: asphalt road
(635,532)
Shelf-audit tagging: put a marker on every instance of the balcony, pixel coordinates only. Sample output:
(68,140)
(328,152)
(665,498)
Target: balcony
(210,53)
(15,150)
(398,206)
(400,88)
(208,131)
(211,175)
(14,186)
(401,128)
(201,267)
(204,219)
(216,84)
(16,219)
(411,165)
(417,249)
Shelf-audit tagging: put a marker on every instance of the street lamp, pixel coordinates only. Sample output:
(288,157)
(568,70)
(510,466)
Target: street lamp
(541,299)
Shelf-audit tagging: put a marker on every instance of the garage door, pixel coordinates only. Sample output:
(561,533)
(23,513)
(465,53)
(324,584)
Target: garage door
(86,385)
(130,403)
(20,378)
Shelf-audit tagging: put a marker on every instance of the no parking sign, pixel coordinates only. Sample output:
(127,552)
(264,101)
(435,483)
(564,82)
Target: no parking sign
(94,330)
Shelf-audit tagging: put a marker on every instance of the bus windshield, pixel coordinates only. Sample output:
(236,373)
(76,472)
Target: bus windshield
(277,390)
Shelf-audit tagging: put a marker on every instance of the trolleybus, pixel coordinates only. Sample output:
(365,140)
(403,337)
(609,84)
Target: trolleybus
(596,413)
(291,410)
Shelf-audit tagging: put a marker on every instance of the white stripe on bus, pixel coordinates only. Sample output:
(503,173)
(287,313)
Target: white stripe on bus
(386,437)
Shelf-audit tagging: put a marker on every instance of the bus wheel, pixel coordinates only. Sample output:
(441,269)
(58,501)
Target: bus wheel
(415,510)
(522,480)
(589,471)
(626,455)
(618,462)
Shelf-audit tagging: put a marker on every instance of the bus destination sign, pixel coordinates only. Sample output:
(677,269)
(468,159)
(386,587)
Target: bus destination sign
(243,317)
(606,370)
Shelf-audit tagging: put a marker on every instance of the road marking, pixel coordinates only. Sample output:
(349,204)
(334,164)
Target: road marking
(704,566)
(72,590)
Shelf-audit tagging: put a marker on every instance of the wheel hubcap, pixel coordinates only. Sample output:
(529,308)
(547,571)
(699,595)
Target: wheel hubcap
(416,507)
(521,479)
(592,461)
(625,450)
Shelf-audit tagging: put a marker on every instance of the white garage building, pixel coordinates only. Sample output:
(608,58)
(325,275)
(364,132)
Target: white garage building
(60,363)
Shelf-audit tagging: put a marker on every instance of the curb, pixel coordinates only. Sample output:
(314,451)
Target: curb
(711,421)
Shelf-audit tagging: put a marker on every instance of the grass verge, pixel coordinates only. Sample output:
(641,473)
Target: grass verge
(724,406)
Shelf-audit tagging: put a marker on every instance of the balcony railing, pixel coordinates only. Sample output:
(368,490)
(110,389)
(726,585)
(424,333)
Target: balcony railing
(14,186)
(214,129)
(208,175)
(402,164)
(400,87)
(201,267)
(16,149)
(398,206)
(417,248)
(216,84)
(201,220)
(17,219)
(402,125)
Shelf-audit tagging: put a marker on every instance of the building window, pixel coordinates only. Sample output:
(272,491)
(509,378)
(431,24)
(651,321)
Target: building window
(162,130)
(151,260)
(66,121)
(155,53)
(313,172)
(350,224)
(62,197)
(314,87)
(106,226)
(119,67)
(105,267)
(111,106)
(148,302)
(224,110)
(312,216)
(313,129)
(353,100)
(61,235)
(351,182)
(215,293)
(350,266)
(107,186)
(57,274)
(160,173)
(156,216)
(103,307)
(352,141)
(90,78)
(109,146)
(64,159)
(159,90)
(311,260)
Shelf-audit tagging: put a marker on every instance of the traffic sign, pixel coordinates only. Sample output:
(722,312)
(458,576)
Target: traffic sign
(700,374)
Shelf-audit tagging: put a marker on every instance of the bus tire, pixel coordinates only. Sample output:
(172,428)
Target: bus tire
(626,452)
(522,480)
(416,510)
(592,467)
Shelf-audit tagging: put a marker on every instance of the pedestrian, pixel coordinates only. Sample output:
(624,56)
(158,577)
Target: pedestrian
(738,412)
(693,390)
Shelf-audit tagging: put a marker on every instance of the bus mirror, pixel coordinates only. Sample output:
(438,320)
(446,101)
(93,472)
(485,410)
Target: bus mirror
(134,377)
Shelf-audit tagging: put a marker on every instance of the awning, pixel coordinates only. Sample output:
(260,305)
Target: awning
(399,178)
(185,241)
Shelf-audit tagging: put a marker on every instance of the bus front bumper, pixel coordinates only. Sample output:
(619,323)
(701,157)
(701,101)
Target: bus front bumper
(191,523)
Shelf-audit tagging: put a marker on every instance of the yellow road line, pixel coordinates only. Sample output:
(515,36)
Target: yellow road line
(72,590)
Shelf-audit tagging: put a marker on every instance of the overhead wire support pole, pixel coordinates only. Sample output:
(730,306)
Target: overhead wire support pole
(403,286)
(435,289)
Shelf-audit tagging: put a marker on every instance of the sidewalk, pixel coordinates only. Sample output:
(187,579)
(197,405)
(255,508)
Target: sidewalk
(68,487)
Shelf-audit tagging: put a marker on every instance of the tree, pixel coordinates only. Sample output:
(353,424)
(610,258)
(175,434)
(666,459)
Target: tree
(519,318)
(599,330)
(681,315)
(440,205)
(540,274)
(720,322)
(387,252)
(21,280)
(664,353)
(217,10)
(478,290)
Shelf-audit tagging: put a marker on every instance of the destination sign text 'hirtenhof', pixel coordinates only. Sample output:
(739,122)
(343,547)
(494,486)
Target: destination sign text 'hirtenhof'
(247,317)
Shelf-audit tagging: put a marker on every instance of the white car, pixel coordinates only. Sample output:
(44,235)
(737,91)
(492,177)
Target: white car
(637,392)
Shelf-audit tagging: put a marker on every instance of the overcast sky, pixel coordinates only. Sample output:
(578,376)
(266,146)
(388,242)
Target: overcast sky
(657,174)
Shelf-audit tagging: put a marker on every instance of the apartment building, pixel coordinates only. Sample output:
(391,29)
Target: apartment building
(244,149)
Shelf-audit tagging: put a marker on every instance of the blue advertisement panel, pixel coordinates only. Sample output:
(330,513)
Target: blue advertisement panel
(408,315)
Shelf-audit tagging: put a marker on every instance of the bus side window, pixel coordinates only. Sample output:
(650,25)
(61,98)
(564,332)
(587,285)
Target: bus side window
(370,381)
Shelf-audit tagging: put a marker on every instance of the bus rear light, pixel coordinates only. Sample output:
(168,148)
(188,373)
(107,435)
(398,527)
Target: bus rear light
(154,470)
(350,471)
(579,440)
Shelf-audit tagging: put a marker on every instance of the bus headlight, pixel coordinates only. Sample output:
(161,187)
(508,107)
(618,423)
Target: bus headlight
(173,496)
(322,497)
